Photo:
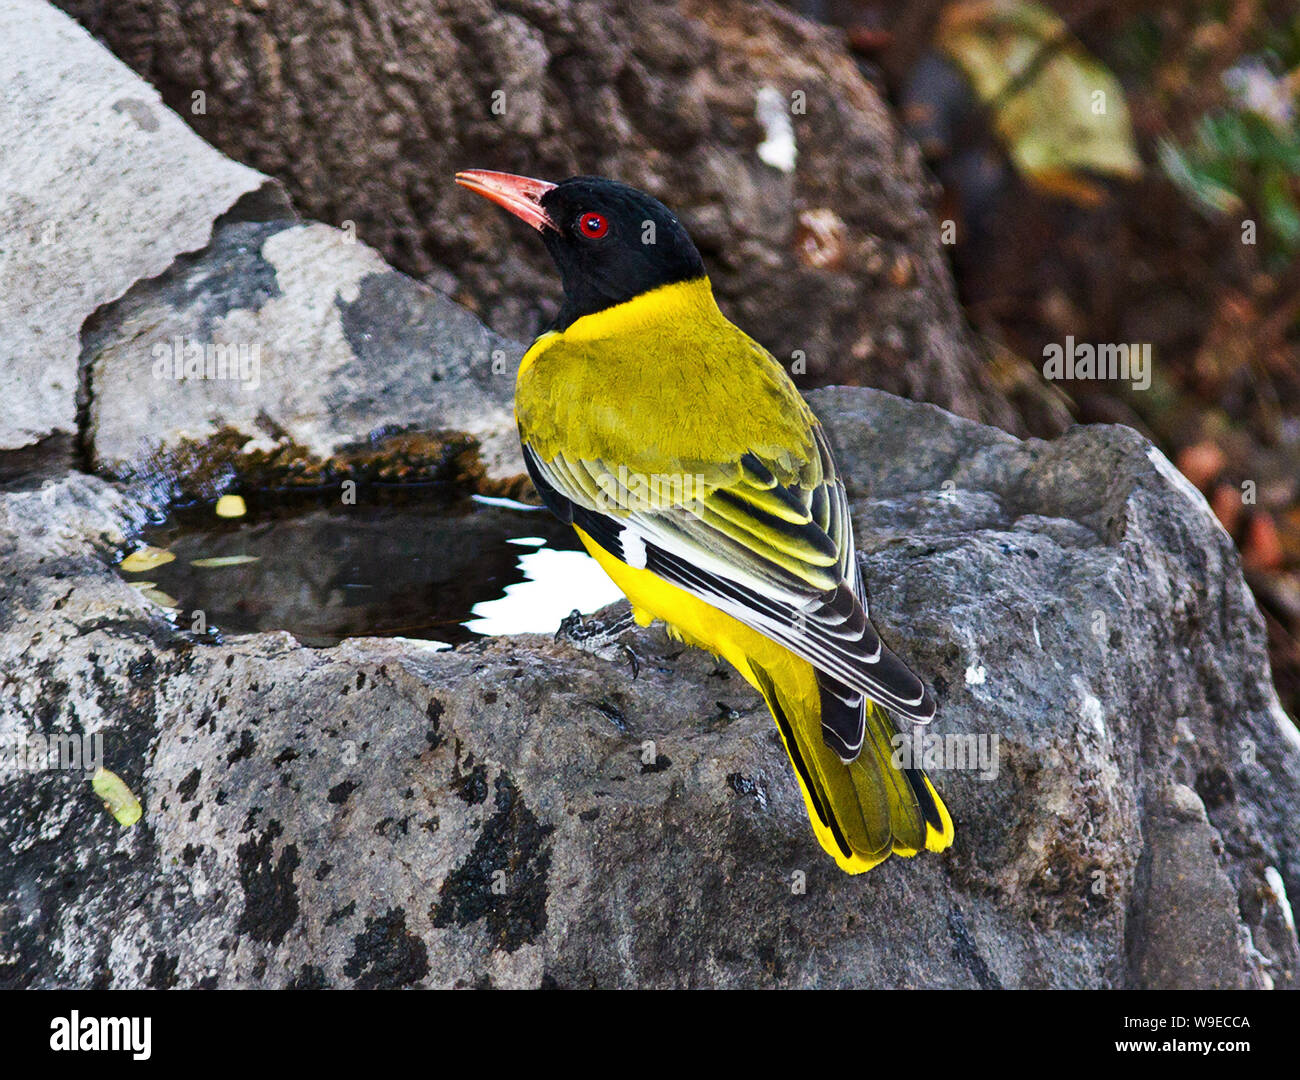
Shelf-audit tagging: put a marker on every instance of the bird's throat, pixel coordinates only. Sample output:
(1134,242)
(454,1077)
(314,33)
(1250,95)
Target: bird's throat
(666,305)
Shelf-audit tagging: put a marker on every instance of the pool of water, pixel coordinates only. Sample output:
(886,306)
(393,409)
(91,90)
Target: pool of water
(419,569)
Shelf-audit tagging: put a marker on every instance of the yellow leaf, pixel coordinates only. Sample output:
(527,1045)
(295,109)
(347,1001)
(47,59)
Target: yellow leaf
(231,506)
(1068,185)
(118,798)
(146,558)
(1057,109)
(224,560)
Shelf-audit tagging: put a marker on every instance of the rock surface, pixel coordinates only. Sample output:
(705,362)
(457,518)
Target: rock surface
(103,186)
(308,347)
(316,345)
(380,814)
(366,111)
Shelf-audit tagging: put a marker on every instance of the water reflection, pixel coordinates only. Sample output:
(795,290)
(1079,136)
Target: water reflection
(424,570)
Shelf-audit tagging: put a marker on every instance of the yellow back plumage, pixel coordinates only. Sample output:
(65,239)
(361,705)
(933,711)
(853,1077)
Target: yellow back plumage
(662,384)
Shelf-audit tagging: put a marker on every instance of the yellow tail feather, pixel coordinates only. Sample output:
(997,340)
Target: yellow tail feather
(862,812)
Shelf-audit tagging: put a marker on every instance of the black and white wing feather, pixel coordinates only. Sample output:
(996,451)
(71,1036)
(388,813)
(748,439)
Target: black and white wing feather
(776,556)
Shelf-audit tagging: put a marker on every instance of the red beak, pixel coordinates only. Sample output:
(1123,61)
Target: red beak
(518,194)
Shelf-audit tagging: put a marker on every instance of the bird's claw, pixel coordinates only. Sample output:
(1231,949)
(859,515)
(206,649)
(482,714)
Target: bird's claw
(599,639)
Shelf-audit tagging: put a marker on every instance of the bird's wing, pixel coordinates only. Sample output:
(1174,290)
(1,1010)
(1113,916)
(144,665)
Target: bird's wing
(776,556)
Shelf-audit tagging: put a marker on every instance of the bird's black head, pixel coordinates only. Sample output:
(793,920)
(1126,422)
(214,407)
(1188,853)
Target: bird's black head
(609,241)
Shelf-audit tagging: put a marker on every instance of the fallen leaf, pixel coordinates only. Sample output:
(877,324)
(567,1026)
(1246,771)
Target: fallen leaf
(224,560)
(820,238)
(119,800)
(1262,549)
(1227,506)
(1201,463)
(145,558)
(231,506)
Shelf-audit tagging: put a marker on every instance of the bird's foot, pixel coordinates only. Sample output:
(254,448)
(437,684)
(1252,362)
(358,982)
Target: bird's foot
(600,638)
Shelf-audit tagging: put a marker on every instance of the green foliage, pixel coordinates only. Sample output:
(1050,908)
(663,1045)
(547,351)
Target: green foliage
(1242,162)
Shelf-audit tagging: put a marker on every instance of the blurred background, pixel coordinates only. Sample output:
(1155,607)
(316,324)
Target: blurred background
(1174,219)
(1118,172)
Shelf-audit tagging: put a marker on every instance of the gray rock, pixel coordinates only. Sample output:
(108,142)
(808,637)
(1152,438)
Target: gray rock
(381,814)
(284,337)
(112,303)
(1191,939)
(103,185)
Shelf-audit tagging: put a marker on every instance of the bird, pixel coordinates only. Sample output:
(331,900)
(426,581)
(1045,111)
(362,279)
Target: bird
(696,475)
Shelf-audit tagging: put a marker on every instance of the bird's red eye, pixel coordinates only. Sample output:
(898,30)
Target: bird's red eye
(592,226)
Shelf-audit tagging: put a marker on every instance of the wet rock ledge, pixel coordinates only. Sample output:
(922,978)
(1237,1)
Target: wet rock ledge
(521,813)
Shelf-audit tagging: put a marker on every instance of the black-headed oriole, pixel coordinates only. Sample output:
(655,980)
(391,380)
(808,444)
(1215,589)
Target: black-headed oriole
(700,480)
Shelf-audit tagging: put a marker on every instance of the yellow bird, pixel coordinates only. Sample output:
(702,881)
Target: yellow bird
(700,480)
